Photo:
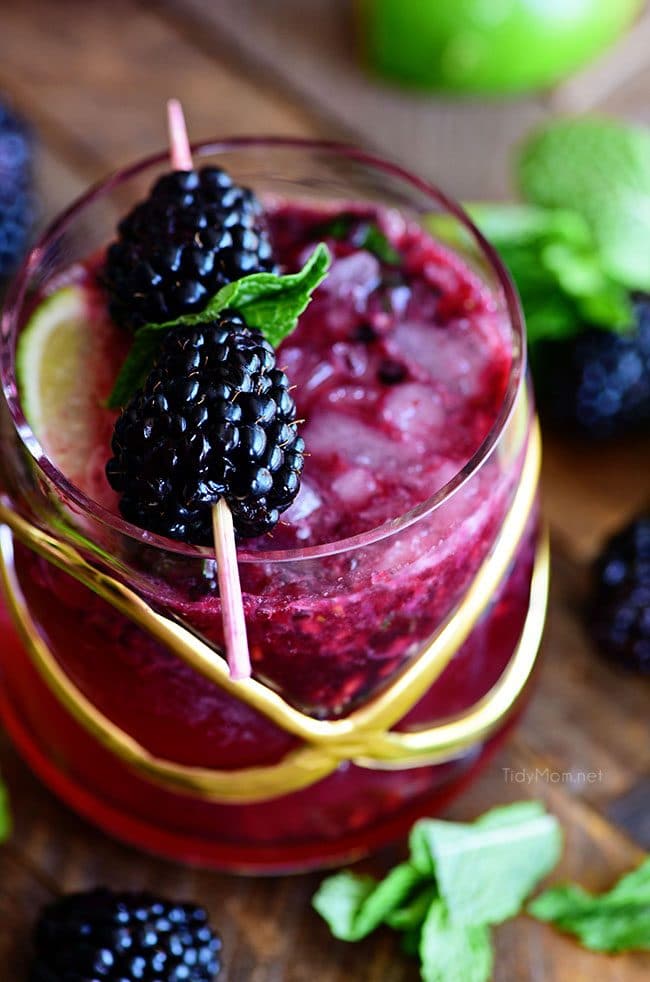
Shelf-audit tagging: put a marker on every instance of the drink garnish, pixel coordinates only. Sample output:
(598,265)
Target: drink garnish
(270,304)
(214,420)
(207,444)
(196,231)
(64,371)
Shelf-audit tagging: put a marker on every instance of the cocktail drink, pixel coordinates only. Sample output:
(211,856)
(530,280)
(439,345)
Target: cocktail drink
(393,613)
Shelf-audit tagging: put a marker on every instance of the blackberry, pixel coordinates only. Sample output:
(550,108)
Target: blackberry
(101,935)
(598,383)
(16,200)
(619,614)
(196,231)
(215,418)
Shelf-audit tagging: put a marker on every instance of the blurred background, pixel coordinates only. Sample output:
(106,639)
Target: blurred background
(449,88)
(434,83)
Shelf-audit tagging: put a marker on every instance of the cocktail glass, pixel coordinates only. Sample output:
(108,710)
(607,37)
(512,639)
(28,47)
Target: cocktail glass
(388,666)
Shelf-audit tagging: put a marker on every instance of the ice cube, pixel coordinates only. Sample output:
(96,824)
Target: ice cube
(353,278)
(455,355)
(352,440)
(355,486)
(306,502)
(414,408)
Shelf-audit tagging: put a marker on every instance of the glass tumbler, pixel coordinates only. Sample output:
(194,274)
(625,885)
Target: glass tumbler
(387,666)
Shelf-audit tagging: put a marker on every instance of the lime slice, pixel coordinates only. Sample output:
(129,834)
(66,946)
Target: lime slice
(68,355)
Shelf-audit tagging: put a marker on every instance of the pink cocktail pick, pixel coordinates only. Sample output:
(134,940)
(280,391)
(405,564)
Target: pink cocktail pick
(232,606)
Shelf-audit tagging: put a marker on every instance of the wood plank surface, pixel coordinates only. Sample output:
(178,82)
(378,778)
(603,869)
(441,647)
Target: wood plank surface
(100,75)
(310,52)
(93,78)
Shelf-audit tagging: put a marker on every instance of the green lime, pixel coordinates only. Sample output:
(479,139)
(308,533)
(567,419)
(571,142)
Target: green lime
(487,46)
(67,358)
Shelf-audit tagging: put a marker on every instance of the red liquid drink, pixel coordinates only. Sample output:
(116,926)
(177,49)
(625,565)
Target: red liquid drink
(407,368)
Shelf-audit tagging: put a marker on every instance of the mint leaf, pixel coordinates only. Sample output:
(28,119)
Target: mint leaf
(270,303)
(615,921)
(354,905)
(374,241)
(610,308)
(509,815)
(339,899)
(411,941)
(363,234)
(412,914)
(560,276)
(137,365)
(599,168)
(550,317)
(509,225)
(485,871)
(515,224)
(578,272)
(389,894)
(452,952)
(5,820)
(633,886)
(503,816)
(554,260)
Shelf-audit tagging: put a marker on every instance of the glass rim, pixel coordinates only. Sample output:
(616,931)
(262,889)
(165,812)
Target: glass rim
(16,293)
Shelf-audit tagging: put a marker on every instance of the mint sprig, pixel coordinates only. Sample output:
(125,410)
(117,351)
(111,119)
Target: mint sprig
(555,263)
(268,302)
(458,880)
(600,169)
(580,242)
(615,921)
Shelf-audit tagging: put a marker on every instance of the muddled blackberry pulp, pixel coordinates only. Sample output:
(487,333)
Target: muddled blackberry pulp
(399,368)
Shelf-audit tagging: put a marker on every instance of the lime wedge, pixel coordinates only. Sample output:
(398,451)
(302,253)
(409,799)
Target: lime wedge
(68,355)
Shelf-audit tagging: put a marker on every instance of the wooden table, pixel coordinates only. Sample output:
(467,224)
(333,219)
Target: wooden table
(93,77)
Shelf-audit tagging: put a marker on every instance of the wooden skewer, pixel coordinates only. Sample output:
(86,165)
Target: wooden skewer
(232,606)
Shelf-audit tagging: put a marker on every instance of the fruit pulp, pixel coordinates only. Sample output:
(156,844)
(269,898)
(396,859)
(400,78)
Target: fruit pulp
(400,364)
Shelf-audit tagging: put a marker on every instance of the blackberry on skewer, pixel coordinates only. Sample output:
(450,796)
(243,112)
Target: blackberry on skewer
(208,442)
